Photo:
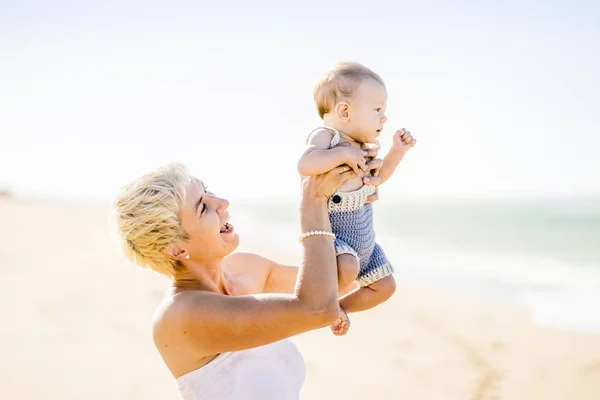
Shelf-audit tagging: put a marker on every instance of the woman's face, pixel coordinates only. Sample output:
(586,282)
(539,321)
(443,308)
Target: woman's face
(204,217)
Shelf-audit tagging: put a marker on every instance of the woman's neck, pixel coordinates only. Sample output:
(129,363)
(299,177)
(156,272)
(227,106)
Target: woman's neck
(200,277)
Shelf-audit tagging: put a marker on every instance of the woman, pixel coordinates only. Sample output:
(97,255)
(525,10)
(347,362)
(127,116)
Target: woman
(221,328)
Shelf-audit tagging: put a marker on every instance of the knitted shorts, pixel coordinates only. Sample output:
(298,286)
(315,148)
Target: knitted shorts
(352,223)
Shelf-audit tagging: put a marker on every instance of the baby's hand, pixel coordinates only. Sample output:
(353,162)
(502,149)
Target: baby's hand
(403,140)
(355,159)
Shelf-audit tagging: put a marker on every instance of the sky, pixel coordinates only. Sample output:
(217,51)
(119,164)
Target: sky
(503,97)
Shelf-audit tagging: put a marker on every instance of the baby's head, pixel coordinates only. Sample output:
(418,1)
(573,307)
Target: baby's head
(352,98)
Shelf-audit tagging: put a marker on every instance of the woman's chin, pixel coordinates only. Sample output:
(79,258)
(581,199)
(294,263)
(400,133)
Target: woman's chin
(229,235)
(232,239)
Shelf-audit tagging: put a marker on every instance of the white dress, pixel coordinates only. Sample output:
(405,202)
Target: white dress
(274,371)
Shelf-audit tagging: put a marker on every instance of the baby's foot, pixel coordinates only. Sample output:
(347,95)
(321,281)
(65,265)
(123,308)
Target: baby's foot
(342,324)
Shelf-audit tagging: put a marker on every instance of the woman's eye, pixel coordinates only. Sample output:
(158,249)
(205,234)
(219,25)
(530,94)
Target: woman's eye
(208,191)
(379,109)
(203,208)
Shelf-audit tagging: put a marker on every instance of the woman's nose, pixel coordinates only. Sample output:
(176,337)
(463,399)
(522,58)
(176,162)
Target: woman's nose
(222,205)
(384,118)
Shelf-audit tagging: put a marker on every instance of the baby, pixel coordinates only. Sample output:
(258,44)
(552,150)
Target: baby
(351,100)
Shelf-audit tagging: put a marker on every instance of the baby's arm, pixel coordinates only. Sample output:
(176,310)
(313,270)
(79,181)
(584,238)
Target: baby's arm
(319,158)
(390,163)
(403,141)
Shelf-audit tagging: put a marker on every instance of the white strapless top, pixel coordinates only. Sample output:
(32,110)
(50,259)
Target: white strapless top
(271,372)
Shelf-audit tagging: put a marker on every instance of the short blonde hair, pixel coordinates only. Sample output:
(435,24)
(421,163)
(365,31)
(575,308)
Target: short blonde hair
(146,214)
(339,83)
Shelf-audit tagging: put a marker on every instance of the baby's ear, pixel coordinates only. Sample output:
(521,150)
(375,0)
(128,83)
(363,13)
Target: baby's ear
(342,110)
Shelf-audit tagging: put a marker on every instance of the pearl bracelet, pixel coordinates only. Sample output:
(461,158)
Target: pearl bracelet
(316,233)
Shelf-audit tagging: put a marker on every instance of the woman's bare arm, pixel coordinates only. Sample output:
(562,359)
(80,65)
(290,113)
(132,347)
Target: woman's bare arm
(279,278)
(216,323)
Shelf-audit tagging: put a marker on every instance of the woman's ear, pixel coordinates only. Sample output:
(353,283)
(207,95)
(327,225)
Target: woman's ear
(176,252)
(342,111)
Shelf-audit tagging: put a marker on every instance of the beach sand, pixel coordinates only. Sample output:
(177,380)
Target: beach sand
(76,325)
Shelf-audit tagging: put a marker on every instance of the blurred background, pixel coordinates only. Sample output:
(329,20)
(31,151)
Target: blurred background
(499,201)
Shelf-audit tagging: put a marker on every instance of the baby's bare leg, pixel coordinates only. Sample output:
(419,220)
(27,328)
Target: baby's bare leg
(368,297)
(362,299)
(348,269)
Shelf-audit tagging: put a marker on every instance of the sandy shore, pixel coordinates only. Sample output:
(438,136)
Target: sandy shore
(76,325)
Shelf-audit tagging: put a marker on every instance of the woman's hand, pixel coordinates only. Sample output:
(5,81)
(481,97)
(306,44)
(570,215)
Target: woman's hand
(374,166)
(323,186)
(371,149)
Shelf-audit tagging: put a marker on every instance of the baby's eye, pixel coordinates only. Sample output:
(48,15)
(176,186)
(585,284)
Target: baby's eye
(378,109)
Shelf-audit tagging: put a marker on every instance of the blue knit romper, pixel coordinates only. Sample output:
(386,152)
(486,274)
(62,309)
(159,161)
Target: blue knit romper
(352,223)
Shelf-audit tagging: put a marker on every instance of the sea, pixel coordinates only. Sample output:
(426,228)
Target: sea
(541,254)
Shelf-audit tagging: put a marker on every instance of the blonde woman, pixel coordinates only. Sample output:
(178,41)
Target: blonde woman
(222,328)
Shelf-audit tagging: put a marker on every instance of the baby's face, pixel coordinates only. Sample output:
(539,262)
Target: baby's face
(367,112)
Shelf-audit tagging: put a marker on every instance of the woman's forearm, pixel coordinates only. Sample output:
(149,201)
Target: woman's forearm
(316,286)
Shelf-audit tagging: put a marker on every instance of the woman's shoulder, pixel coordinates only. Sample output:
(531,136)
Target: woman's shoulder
(243,270)
(171,332)
(247,272)
(175,308)
(242,262)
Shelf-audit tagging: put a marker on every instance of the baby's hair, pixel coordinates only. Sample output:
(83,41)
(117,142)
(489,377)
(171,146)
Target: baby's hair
(339,83)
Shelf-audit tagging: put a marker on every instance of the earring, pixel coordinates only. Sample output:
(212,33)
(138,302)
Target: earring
(187,256)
